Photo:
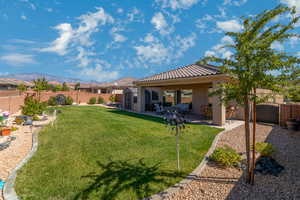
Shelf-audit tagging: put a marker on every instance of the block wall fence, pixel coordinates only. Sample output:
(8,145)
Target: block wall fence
(13,100)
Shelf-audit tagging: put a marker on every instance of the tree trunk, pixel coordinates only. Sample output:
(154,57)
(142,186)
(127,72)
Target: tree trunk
(177,148)
(247,136)
(253,138)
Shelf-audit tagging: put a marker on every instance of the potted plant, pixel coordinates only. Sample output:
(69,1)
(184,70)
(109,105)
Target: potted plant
(5,131)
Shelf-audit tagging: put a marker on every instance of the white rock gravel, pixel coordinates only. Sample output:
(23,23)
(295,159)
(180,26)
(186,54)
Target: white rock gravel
(217,183)
(18,149)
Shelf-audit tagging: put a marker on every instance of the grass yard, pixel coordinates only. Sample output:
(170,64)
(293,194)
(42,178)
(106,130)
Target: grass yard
(98,153)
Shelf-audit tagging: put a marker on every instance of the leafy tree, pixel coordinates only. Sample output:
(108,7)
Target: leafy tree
(65,87)
(253,63)
(22,87)
(77,86)
(40,84)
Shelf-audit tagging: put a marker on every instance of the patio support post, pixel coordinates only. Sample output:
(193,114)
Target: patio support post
(218,108)
(161,95)
(141,99)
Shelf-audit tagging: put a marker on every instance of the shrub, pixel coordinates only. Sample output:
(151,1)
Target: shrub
(92,100)
(35,118)
(112,98)
(100,100)
(14,129)
(264,148)
(69,100)
(19,120)
(52,101)
(60,99)
(33,107)
(226,156)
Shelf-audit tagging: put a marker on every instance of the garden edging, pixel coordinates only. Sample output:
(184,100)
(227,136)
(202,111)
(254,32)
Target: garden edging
(173,189)
(9,192)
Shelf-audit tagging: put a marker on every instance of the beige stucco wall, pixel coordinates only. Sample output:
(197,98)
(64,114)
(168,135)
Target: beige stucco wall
(200,97)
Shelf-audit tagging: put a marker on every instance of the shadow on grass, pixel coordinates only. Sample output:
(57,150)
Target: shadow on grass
(140,116)
(124,176)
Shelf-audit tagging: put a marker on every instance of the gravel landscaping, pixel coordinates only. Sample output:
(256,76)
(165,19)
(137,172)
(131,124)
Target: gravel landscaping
(18,149)
(218,183)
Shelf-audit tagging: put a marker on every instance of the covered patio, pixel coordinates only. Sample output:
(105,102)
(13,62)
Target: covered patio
(187,87)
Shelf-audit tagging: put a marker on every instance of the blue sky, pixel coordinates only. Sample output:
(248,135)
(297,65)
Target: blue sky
(105,40)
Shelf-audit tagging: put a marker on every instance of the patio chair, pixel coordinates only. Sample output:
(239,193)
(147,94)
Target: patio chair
(158,109)
(183,108)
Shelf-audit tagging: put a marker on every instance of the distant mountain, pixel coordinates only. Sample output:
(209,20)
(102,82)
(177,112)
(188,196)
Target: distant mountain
(33,76)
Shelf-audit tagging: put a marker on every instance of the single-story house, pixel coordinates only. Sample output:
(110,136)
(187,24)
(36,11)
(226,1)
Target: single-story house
(115,87)
(12,84)
(189,85)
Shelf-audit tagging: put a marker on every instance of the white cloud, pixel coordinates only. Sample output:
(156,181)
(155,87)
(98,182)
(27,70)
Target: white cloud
(98,73)
(176,4)
(21,41)
(17,59)
(88,25)
(149,38)
(219,50)
(84,57)
(23,17)
(234,2)
(49,9)
(119,38)
(135,15)
(31,5)
(294,41)
(277,46)
(227,40)
(120,10)
(292,3)
(230,25)
(160,24)
(61,44)
(154,51)
(184,44)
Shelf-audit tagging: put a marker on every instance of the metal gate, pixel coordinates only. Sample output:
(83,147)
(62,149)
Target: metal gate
(268,113)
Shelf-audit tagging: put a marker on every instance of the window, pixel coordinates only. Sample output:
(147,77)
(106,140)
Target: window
(135,99)
(154,96)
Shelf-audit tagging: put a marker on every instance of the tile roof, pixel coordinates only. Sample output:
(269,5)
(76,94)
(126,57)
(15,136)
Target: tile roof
(188,71)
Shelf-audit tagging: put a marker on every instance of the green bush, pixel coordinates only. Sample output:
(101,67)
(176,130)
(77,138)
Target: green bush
(69,100)
(226,157)
(35,118)
(101,100)
(264,148)
(92,100)
(112,98)
(52,101)
(33,107)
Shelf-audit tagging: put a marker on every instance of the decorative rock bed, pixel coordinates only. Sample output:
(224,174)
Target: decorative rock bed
(216,183)
(18,149)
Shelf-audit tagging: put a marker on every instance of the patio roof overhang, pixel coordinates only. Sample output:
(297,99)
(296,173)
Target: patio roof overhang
(187,75)
(184,81)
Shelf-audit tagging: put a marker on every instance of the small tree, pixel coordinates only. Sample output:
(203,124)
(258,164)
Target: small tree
(65,87)
(40,84)
(22,88)
(112,98)
(251,66)
(176,124)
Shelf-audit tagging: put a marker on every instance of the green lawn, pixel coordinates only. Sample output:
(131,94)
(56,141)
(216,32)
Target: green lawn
(97,153)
